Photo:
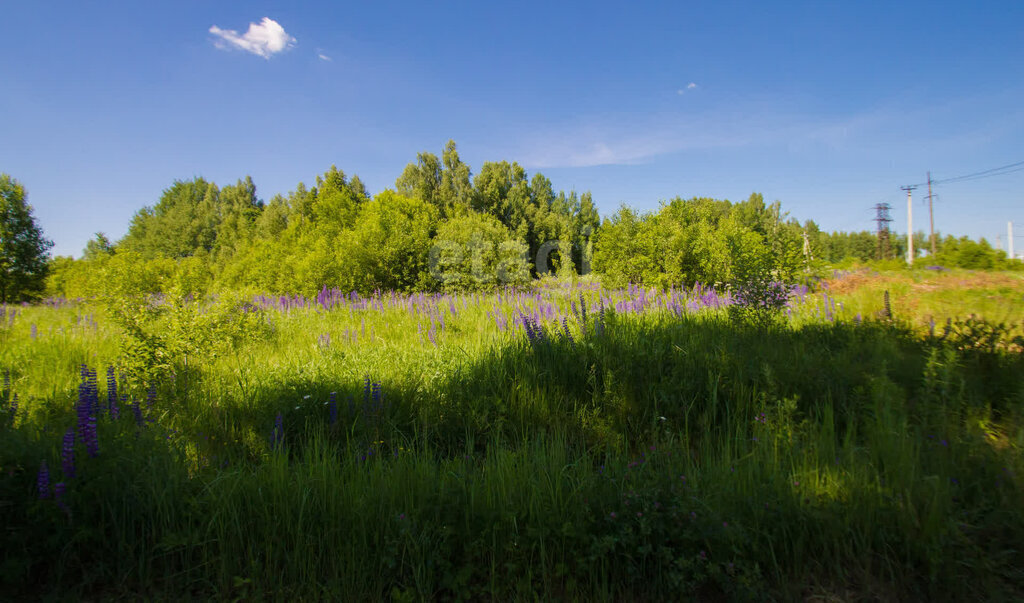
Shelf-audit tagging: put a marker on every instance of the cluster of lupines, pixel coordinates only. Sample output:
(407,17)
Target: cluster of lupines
(87,410)
(57,303)
(830,306)
(43,487)
(549,303)
(9,313)
(87,322)
(534,331)
(373,398)
(432,330)
(373,408)
(765,295)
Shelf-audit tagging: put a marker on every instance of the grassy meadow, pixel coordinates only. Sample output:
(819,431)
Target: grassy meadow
(562,443)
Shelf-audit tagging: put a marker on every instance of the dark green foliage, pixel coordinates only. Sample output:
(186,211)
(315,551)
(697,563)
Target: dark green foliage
(23,249)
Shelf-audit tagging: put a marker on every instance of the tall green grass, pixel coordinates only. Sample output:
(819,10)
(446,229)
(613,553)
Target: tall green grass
(641,457)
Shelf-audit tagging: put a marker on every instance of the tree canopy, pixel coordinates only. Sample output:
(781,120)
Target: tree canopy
(444,227)
(24,252)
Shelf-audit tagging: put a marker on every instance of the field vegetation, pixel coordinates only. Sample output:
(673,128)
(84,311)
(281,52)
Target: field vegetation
(562,442)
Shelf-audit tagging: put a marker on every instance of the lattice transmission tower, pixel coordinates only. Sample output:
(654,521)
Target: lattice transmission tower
(882,218)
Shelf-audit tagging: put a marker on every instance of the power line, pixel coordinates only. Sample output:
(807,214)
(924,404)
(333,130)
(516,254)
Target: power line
(998,171)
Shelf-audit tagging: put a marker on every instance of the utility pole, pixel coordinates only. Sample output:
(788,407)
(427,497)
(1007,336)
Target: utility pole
(931,216)
(910,224)
(1009,238)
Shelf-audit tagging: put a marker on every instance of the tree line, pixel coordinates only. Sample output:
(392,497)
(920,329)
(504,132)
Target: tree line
(441,227)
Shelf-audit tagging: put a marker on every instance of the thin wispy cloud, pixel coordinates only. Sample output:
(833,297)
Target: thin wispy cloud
(690,86)
(636,139)
(264,39)
(324,57)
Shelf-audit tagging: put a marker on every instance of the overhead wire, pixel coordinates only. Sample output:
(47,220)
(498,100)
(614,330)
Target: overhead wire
(997,171)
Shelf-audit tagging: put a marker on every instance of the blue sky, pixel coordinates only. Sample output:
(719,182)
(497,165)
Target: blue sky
(828,107)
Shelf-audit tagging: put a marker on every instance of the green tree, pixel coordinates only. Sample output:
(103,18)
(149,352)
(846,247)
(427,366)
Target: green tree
(238,209)
(183,221)
(24,252)
(626,249)
(273,219)
(422,180)
(97,247)
(456,190)
(336,205)
(585,222)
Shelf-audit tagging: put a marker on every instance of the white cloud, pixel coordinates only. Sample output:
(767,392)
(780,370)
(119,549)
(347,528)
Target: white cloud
(324,57)
(691,86)
(263,39)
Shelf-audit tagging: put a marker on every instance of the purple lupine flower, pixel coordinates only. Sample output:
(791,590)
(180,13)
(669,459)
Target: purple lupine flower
(92,441)
(67,454)
(93,392)
(111,392)
(278,435)
(150,400)
(33,331)
(58,495)
(43,481)
(83,409)
(378,397)
(137,411)
(332,408)
(366,390)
